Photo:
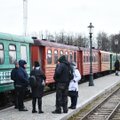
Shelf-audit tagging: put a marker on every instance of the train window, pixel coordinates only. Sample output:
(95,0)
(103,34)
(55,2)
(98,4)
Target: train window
(1,54)
(87,58)
(74,56)
(93,58)
(61,53)
(49,56)
(55,56)
(12,54)
(71,57)
(23,51)
(66,54)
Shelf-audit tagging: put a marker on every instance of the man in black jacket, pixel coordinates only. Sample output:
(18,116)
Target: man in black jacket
(61,77)
(117,66)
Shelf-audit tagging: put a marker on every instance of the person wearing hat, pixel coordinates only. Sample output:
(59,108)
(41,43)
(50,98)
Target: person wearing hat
(61,76)
(22,84)
(14,78)
(38,88)
(73,86)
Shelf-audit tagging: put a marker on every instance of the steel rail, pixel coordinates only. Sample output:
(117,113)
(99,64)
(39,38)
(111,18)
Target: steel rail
(100,104)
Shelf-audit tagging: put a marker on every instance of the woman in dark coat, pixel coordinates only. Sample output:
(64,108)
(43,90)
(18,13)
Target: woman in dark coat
(37,90)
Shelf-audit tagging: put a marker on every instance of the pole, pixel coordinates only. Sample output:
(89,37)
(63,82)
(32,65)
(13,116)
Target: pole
(116,55)
(25,17)
(91,72)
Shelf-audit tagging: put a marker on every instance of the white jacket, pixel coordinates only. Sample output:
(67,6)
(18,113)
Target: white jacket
(73,86)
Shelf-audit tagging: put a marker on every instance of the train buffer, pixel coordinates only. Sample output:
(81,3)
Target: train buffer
(86,94)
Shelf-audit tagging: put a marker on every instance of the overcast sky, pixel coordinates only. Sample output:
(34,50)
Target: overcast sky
(57,15)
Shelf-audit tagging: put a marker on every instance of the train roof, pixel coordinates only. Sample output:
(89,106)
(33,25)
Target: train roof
(11,37)
(54,44)
(87,49)
(59,45)
(107,52)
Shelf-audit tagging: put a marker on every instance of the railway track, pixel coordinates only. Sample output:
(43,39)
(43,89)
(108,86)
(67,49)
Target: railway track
(106,108)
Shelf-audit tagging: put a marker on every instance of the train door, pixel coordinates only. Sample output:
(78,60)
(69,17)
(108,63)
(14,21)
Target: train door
(79,62)
(111,62)
(100,61)
(38,54)
(42,57)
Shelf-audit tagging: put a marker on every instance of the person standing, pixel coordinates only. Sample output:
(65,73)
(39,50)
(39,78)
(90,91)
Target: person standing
(61,76)
(117,65)
(22,84)
(14,78)
(73,86)
(38,88)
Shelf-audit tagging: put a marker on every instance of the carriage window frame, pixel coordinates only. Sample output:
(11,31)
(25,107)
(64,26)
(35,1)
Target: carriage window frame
(66,54)
(23,56)
(55,56)
(1,53)
(87,59)
(49,56)
(71,56)
(12,53)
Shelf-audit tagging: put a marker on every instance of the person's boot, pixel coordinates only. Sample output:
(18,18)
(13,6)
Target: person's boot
(40,106)
(40,111)
(56,112)
(34,106)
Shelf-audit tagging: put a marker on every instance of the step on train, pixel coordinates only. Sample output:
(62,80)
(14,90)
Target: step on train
(14,47)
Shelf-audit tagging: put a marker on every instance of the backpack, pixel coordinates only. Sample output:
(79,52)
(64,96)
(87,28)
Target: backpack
(71,76)
(33,81)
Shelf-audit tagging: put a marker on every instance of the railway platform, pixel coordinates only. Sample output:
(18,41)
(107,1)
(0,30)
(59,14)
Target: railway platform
(86,95)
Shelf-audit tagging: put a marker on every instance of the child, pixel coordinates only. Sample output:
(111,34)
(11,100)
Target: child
(73,86)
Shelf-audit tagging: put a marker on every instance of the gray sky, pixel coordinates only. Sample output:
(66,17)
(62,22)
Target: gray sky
(56,15)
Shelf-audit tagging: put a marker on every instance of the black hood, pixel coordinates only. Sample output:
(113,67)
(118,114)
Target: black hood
(62,59)
(22,63)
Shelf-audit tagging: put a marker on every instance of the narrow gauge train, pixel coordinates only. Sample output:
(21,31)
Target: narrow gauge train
(47,53)
(13,47)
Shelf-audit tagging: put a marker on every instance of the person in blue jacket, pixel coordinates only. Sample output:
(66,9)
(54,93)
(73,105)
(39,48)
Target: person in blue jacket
(14,78)
(21,84)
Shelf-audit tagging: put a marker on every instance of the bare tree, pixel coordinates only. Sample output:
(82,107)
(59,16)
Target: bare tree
(115,47)
(81,41)
(103,42)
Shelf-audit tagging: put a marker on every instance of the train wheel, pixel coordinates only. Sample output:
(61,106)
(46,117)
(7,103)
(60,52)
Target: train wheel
(5,99)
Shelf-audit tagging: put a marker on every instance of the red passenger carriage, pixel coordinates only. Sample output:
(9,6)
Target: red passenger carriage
(84,57)
(105,61)
(47,54)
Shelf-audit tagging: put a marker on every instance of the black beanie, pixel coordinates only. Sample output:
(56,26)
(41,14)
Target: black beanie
(62,58)
(36,64)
